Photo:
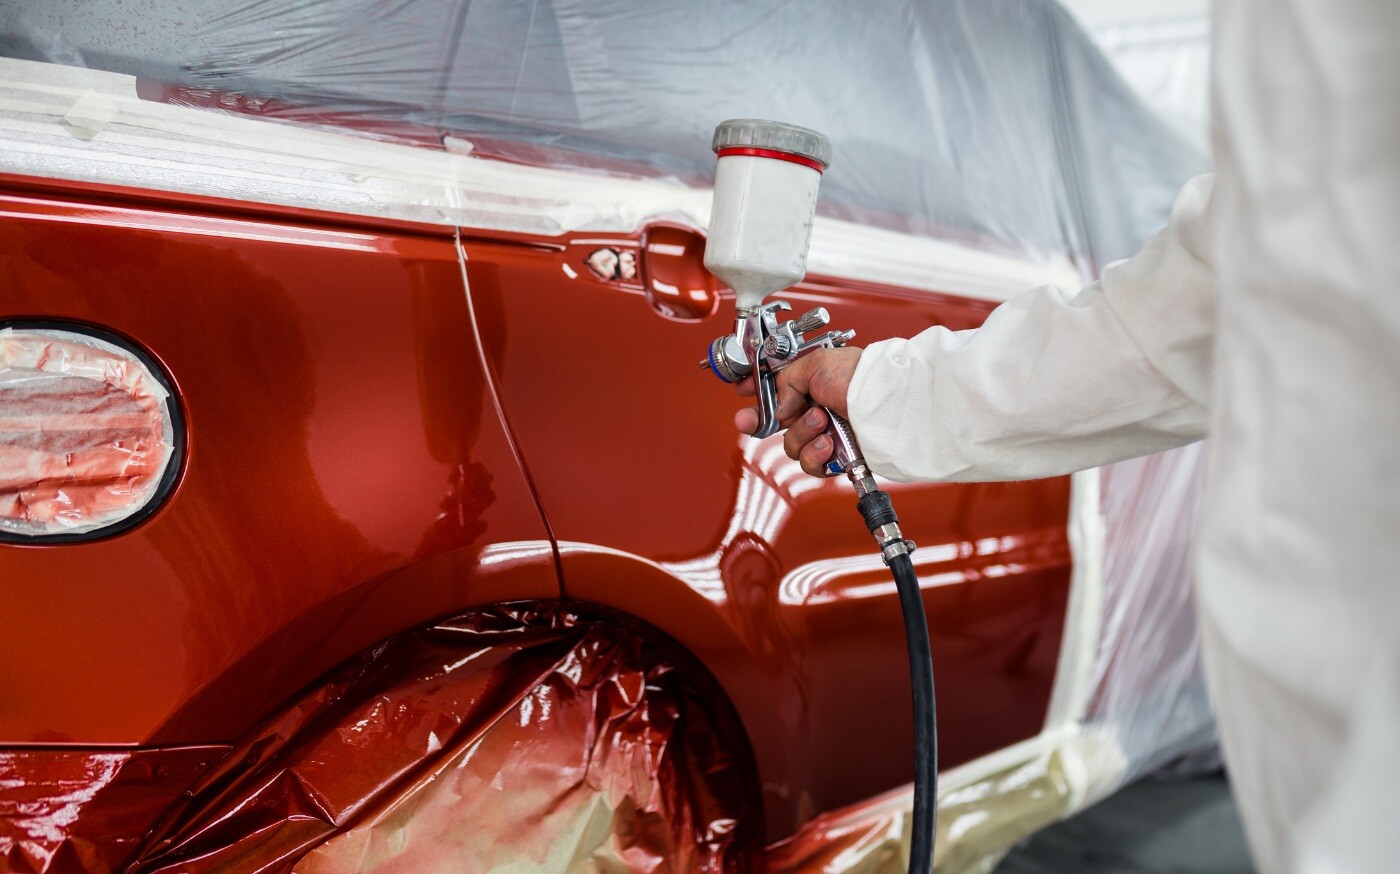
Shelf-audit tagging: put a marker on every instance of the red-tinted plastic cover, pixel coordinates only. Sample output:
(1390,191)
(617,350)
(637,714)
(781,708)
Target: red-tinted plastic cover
(518,735)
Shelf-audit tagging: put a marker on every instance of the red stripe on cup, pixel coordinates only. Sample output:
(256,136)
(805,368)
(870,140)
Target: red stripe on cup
(771,153)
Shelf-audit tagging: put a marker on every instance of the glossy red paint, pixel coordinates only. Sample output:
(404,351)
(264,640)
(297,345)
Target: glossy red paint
(662,510)
(347,473)
(674,275)
(352,472)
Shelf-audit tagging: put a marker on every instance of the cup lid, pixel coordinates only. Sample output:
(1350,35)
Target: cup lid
(777,136)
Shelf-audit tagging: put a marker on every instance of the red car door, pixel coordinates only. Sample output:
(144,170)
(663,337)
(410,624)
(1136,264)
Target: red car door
(662,509)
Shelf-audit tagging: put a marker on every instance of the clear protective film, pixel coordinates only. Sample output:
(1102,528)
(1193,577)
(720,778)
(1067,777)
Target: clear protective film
(997,123)
(66,809)
(525,737)
(1148,690)
(1166,59)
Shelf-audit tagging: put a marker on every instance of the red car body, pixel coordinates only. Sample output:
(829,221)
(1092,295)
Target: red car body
(362,430)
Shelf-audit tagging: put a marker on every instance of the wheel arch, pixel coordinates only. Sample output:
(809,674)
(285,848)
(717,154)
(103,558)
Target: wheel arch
(705,627)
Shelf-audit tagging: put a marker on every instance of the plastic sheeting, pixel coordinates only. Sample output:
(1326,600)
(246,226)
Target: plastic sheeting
(71,123)
(524,738)
(995,120)
(86,436)
(72,810)
(978,821)
(1166,60)
(1148,689)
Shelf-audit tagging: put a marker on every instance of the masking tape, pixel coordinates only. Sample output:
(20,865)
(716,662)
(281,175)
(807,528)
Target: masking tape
(205,152)
(1078,648)
(983,809)
(90,114)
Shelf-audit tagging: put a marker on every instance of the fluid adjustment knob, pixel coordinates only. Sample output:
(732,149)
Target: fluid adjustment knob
(811,321)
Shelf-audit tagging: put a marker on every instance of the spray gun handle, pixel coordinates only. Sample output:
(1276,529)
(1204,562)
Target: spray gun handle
(762,346)
(758,326)
(845,452)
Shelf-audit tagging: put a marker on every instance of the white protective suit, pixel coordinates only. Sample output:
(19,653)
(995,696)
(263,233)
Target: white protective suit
(1266,315)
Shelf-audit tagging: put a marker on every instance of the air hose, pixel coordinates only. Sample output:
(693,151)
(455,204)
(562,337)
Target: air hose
(878,513)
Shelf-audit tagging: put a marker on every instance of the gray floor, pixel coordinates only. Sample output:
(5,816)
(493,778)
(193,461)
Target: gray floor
(1152,827)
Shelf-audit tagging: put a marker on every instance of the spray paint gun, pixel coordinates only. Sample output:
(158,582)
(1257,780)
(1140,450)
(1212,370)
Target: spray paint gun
(760,229)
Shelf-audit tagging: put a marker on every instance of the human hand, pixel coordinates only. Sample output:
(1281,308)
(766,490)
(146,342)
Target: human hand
(818,379)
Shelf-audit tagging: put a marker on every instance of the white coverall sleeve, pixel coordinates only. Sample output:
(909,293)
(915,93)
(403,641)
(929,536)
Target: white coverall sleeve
(1054,381)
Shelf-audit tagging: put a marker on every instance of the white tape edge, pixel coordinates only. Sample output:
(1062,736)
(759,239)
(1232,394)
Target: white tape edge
(1079,646)
(90,113)
(89,126)
(1088,765)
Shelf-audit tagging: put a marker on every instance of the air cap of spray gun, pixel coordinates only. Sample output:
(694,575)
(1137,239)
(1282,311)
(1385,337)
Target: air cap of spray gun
(765,198)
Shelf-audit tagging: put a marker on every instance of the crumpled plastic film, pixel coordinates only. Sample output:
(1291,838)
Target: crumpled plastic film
(993,120)
(1148,692)
(978,820)
(70,123)
(67,810)
(523,738)
(85,433)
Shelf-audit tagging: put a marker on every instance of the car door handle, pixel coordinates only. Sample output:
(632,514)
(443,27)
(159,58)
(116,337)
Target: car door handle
(673,273)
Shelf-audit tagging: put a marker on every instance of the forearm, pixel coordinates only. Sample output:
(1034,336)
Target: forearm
(1054,381)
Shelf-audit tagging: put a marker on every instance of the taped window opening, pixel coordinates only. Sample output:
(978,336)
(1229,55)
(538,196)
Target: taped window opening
(91,435)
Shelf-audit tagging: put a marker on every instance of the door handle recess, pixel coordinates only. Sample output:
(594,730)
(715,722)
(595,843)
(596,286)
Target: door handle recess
(673,273)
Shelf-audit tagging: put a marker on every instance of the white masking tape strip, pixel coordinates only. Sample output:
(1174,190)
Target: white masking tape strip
(90,114)
(87,125)
(1069,698)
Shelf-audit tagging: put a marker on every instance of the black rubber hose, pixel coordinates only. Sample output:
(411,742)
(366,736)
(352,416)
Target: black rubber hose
(911,602)
(877,511)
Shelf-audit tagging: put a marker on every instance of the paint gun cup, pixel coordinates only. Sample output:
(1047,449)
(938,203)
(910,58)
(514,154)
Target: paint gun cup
(760,229)
(765,198)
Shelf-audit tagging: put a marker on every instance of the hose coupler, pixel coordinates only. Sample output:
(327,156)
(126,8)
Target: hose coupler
(883,523)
